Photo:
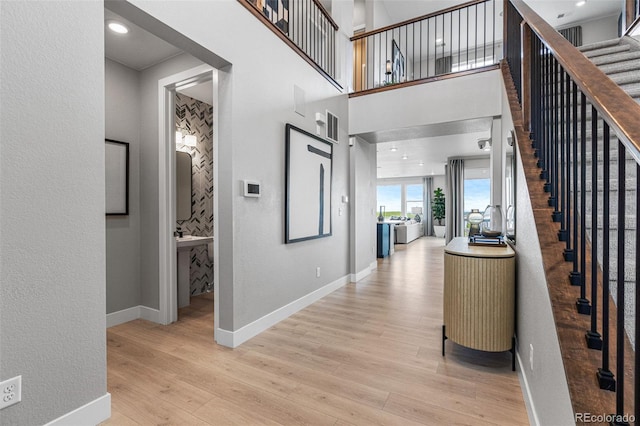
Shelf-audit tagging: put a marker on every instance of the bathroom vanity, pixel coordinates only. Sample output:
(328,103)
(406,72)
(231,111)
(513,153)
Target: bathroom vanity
(184,245)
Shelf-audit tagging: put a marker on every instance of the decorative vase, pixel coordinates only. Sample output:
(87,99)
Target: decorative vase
(381,215)
(475,219)
(492,222)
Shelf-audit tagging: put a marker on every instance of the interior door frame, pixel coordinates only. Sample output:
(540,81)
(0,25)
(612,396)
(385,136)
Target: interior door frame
(167,251)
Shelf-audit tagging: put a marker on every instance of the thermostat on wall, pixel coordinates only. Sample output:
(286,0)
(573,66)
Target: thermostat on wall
(251,188)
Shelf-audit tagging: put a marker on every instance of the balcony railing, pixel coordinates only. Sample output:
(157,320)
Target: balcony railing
(585,135)
(306,26)
(457,39)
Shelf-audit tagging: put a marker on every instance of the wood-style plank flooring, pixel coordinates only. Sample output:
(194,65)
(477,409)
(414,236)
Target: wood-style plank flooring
(367,354)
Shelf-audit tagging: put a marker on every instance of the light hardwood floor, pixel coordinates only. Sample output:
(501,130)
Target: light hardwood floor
(367,354)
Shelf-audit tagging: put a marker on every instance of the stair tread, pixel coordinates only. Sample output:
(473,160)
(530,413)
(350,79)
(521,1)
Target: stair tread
(599,45)
(619,67)
(617,58)
(607,50)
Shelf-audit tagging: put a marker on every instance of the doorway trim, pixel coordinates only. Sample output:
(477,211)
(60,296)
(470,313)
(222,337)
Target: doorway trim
(167,253)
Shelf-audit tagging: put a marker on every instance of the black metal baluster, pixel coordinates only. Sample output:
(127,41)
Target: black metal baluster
(459,36)
(545,123)
(553,198)
(475,53)
(565,119)
(570,254)
(450,38)
(421,49)
(428,36)
(484,32)
(575,276)
(559,205)
(467,55)
(594,340)
(620,335)
(493,39)
(606,379)
(582,304)
(435,46)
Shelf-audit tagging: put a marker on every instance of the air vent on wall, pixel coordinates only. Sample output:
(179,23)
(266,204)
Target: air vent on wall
(332,127)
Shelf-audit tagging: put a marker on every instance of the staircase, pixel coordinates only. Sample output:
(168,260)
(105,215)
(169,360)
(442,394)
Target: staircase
(620,60)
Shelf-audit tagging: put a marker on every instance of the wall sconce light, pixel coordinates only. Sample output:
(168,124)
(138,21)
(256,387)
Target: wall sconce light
(187,140)
(388,70)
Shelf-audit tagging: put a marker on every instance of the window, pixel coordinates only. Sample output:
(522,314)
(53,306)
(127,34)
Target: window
(390,196)
(477,195)
(414,199)
(399,199)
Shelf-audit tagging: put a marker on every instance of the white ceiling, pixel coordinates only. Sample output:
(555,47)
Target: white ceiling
(430,145)
(139,50)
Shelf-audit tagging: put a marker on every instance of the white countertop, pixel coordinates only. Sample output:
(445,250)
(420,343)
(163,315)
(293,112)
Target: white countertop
(460,246)
(191,241)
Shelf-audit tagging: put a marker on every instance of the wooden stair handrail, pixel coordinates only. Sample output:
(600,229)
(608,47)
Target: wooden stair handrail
(617,108)
(419,18)
(326,14)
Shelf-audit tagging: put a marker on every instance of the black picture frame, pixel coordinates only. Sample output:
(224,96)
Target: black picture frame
(308,186)
(116,178)
(397,63)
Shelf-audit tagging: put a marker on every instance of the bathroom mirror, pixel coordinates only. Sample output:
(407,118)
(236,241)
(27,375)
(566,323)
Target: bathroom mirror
(183,186)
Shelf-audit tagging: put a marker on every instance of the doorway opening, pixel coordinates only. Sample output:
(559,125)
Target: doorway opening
(168,133)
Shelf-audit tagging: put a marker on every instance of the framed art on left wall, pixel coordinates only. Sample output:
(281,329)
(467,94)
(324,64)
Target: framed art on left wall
(116,159)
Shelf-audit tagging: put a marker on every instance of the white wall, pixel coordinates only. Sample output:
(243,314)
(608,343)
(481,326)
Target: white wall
(545,385)
(52,201)
(363,205)
(376,15)
(454,99)
(122,123)
(600,29)
(255,106)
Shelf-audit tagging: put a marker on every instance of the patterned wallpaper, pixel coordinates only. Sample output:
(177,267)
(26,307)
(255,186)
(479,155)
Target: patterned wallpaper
(196,118)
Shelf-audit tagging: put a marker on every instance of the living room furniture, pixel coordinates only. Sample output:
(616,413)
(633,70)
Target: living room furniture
(479,296)
(408,231)
(383,239)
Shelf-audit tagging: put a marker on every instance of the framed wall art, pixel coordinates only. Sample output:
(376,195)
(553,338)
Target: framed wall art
(116,177)
(309,168)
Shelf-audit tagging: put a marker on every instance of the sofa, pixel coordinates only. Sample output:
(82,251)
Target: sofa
(408,231)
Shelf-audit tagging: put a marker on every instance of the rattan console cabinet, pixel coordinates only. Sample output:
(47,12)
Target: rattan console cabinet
(479,296)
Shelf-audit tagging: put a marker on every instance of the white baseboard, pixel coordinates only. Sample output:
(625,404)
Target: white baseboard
(133,313)
(526,392)
(234,339)
(125,315)
(374,265)
(362,274)
(150,314)
(93,413)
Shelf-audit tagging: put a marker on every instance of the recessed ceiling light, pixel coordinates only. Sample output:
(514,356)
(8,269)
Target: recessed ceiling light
(421,163)
(581,3)
(393,149)
(117,27)
(404,157)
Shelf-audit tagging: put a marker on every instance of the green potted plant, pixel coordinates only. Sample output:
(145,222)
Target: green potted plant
(438,211)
